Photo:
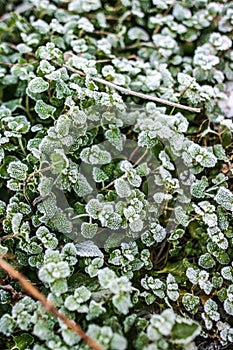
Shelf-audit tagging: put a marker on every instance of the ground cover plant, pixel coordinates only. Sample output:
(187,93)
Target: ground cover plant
(116,166)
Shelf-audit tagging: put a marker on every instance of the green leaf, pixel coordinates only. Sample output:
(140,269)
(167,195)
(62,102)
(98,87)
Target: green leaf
(23,341)
(44,110)
(184,331)
(38,85)
(89,230)
(58,161)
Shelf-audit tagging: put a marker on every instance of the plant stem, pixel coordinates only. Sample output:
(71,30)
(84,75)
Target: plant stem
(48,305)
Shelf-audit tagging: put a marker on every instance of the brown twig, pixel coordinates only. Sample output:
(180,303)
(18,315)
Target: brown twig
(12,235)
(48,305)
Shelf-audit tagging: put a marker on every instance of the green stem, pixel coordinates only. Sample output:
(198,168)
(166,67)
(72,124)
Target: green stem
(21,145)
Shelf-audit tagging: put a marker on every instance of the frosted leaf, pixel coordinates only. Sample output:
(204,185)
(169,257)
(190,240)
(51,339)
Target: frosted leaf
(44,110)
(181,216)
(208,322)
(60,222)
(99,156)
(163,156)
(54,271)
(198,187)
(40,26)
(22,48)
(164,322)
(181,13)
(211,308)
(129,250)
(69,254)
(115,138)
(85,24)
(218,237)
(69,337)
(93,267)
(143,169)
(48,239)
(82,187)
(42,232)
(17,170)
(206,261)
(156,285)
(94,155)
(45,185)
(59,161)
(16,222)
(185,79)
(137,33)
(81,6)
(45,67)
(95,310)
(192,275)
(93,208)
(227,273)
(62,126)
(55,75)
(88,249)
(116,257)
(118,342)
(191,302)
(158,232)
(122,302)
(106,277)
(137,205)
(154,335)
(59,286)
(82,294)
(120,284)
(220,42)
(166,42)
(42,331)
(107,212)
(88,230)
(207,286)
(225,23)
(206,62)
(52,256)
(228,307)
(134,179)
(113,221)
(38,85)
(7,325)
(172,288)
(210,219)
(224,197)
(136,225)
(99,175)
(129,212)
(122,188)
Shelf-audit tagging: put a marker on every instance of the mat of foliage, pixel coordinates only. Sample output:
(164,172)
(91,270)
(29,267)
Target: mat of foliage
(161,289)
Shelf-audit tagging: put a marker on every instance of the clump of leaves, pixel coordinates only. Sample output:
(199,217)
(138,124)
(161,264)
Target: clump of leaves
(118,209)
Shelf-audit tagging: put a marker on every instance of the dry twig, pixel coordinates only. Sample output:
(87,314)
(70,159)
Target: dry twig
(134,93)
(124,90)
(48,305)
